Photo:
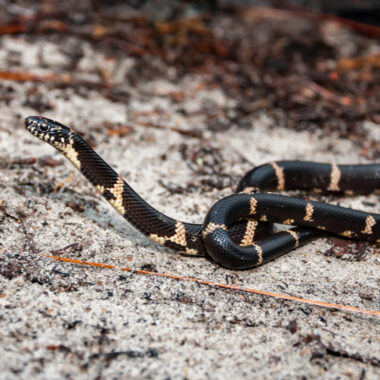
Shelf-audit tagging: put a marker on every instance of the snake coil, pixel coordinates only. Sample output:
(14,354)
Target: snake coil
(234,233)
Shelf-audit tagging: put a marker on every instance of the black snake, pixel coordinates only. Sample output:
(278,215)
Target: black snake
(229,234)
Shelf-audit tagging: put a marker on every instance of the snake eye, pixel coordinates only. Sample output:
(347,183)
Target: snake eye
(44,127)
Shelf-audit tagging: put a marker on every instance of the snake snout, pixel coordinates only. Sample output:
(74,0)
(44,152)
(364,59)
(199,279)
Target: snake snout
(36,124)
(32,121)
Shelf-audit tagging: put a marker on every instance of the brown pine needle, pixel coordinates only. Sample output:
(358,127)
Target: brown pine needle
(24,76)
(216,285)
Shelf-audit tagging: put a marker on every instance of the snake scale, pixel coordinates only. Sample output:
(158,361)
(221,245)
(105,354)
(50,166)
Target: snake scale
(235,231)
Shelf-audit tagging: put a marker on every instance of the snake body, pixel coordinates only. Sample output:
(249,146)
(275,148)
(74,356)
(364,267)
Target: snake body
(231,228)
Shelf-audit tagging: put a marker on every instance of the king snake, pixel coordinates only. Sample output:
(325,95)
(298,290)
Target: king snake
(229,234)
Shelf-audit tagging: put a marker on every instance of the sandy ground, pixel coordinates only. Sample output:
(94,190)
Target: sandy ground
(60,320)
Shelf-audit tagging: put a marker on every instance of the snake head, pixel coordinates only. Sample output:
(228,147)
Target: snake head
(48,130)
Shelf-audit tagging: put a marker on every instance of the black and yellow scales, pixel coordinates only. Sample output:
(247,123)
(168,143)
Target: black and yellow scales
(235,233)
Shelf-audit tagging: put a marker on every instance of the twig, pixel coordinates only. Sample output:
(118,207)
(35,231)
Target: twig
(358,62)
(262,12)
(64,79)
(216,285)
(69,248)
(194,133)
(327,94)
